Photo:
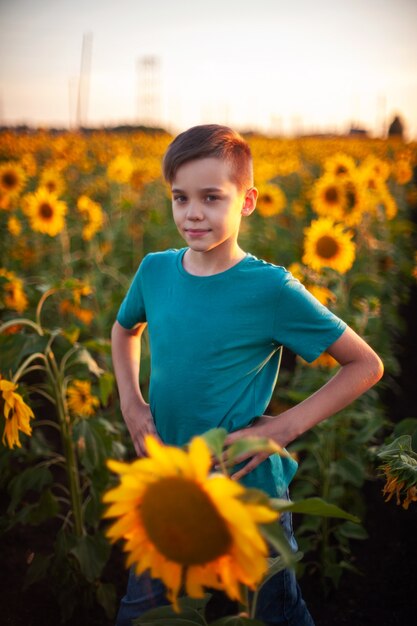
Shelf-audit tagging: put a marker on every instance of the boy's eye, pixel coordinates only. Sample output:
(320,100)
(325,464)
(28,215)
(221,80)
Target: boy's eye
(179,199)
(211,198)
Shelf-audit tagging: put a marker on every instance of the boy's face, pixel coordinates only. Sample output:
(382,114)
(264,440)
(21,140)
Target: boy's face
(208,206)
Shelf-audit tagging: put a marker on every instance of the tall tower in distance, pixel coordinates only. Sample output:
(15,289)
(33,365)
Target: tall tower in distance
(84,81)
(149,91)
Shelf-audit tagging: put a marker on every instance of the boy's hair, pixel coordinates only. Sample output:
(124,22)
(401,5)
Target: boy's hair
(211,140)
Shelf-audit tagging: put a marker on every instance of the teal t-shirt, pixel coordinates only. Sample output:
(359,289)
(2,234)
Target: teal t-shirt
(216,344)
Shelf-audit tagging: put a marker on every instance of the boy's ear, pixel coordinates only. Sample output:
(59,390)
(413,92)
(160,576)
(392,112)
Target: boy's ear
(249,203)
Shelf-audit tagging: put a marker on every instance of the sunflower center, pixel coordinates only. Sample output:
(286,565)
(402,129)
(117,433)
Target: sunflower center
(350,199)
(331,195)
(266,198)
(341,169)
(183,523)
(327,247)
(45,211)
(10,180)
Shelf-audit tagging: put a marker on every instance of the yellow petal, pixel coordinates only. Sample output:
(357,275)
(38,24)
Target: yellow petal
(200,458)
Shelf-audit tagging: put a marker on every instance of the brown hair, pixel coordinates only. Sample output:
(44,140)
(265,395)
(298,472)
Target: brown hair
(210,140)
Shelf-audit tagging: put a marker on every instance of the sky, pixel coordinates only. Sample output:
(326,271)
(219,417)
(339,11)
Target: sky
(276,66)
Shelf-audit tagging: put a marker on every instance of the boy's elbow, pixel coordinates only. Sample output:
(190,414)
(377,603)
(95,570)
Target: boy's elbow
(376,369)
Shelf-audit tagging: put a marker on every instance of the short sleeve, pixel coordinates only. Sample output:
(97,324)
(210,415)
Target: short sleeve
(302,323)
(132,310)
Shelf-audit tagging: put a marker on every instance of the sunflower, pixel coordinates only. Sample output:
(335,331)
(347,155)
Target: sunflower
(93,217)
(328,197)
(120,169)
(396,485)
(13,294)
(403,171)
(377,167)
(340,165)
(355,201)
(17,414)
(325,360)
(322,294)
(297,270)
(327,244)
(271,200)
(388,203)
(14,226)
(80,400)
(12,179)
(46,213)
(52,180)
(186,526)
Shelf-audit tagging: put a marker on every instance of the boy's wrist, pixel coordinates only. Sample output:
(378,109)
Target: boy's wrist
(134,403)
(282,429)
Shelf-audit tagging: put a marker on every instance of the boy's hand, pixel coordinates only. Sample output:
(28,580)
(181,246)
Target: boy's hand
(140,423)
(261,428)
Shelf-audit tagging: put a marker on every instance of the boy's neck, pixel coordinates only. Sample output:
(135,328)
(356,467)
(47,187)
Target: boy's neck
(211,262)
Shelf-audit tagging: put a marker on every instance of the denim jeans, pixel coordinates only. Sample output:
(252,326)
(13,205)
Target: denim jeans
(279,603)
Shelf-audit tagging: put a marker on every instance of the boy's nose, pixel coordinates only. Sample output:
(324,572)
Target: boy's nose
(194,211)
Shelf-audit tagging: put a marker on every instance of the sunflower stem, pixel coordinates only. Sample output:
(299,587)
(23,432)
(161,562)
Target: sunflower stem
(41,302)
(66,252)
(21,321)
(24,367)
(68,447)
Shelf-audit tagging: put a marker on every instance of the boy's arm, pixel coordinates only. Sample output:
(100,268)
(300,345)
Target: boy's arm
(361,369)
(126,363)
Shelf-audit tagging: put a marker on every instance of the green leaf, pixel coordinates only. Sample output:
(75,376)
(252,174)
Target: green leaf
(30,479)
(106,386)
(236,620)
(276,565)
(214,438)
(191,612)
(14,348)
(46,507)
(106,597)
(165,621)
(396,447)
(93,443)
(350,470)
(254,496)
(85,358)
(37,570)
(313,506)
(92,553)
(352,531)
(251,445)
(275,536)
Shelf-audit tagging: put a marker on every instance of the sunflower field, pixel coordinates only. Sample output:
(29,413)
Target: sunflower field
(78,211)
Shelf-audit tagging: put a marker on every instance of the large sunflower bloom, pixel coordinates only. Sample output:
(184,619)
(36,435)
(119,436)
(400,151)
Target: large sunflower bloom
(80,399)
(12,179)
(328,245)
(17,414)
(46,213)
(187,527)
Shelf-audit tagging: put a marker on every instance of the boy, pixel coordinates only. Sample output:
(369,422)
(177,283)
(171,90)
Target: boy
(217,319)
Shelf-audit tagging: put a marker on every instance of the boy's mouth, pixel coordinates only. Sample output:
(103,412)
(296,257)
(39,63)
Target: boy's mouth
(197,232)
